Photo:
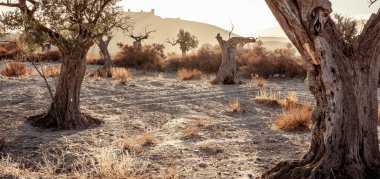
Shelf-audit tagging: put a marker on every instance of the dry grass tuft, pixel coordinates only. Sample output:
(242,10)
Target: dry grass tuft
(133,146)
(170,173)
(52,71)
(148,138)
(268,98)
(190,131)
(201,122)
(15,69)
(259,81)
(184,74)
(120,73)
(295,119)
(235,105)
(210,149)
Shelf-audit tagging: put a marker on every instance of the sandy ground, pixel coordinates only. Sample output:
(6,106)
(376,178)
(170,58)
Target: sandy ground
(228,145)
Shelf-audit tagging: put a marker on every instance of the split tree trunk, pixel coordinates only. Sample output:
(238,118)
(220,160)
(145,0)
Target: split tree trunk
(227,70)
(343,78)
(64,112)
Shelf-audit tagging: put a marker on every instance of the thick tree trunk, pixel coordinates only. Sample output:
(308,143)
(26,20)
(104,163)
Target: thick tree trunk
(64,112)
(343,78)
(227,69)
(183,53)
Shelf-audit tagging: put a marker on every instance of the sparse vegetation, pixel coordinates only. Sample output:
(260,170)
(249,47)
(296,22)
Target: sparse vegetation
(149,57)
(259,81)
(268,97)
(52,71)
(235,105)
(15,69)
(133,146)
(295,118)
(184,74)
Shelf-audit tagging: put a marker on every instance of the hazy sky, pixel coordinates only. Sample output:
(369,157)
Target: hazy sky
(248,16)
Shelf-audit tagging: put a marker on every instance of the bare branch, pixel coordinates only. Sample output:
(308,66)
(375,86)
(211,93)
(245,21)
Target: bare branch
(42,74)
(232,29)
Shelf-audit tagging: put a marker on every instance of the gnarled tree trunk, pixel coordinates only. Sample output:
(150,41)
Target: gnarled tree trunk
(227,70)
(343,78)
(64,112)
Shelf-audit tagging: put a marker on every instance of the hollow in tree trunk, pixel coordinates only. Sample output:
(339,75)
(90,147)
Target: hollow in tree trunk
(343,78)
(64,111)
(227,69)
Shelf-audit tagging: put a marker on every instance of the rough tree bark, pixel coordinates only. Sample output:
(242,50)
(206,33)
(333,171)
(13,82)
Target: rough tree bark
(105,55)
(64,111)
(227,70)
(343,78)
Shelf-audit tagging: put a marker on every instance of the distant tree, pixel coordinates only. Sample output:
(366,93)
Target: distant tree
(347,27)
(139,38)
(185,40)
(117,20)
(72,27)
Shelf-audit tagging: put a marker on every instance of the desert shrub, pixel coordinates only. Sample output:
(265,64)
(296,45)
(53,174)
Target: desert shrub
(52,71)
(184,74)
(51,56)
(9,50)
(15,69)
(94,59)
(257,60)
(147,57)
(207,59)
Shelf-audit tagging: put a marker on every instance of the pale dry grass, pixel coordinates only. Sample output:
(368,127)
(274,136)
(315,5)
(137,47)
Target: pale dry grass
(235,105)
(106,163)
(210,149)
(190,131)
(15,69)
(52,71)
(295,119)
(259,81)
(170,173)
(201,122)
(268,97)
(122,74)
(148,138)
(184,74)
(132,145)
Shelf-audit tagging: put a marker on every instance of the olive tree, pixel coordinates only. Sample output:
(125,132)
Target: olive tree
(72,26)
(185,40)
(342,75)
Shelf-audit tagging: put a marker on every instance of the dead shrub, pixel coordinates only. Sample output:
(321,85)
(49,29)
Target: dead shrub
(291,101)
(148,57)
(258,60)
(268,98)
(190,131)
(9,50)
(295,119)
(235,105)
(210,149)
(15,69)
(148,138)
(52,71)
(133,146)
(207,59)
(94,59)
(184,74)
(51,56)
